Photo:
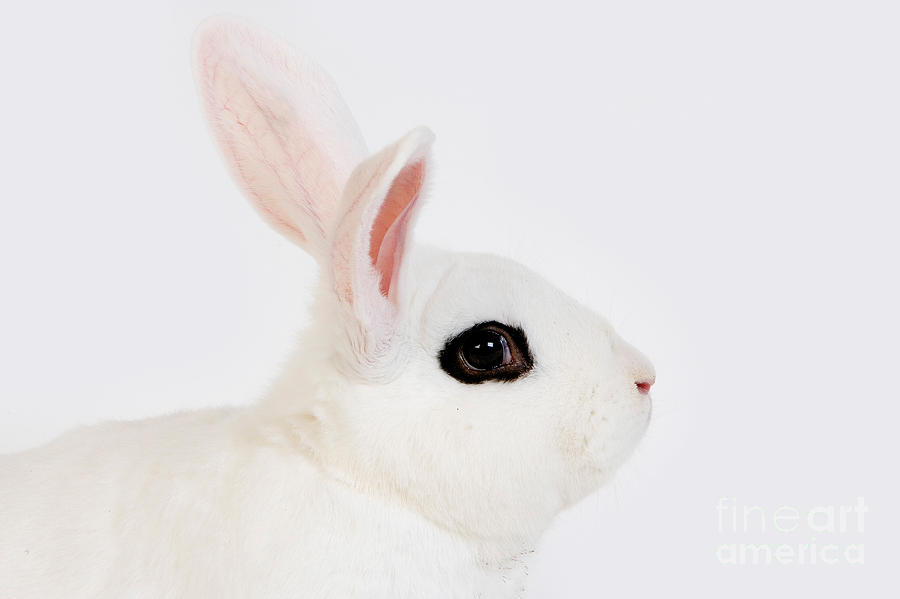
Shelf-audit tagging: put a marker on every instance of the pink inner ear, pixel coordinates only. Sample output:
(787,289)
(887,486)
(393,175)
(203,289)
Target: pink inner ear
(389,229)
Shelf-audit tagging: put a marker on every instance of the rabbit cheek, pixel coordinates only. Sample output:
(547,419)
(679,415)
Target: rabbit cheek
(618,426)
(606,427)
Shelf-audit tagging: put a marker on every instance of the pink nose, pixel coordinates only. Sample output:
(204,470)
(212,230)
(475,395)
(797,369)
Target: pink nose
(644,386)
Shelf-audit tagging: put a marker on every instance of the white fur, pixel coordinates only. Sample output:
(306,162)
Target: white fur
(366,471)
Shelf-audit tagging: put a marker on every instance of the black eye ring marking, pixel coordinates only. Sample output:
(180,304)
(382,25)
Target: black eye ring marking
(489,351)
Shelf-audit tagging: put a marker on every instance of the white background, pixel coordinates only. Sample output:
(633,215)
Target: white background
(720,179)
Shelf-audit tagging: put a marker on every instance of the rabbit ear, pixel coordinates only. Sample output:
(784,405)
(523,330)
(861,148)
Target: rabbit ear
(287,136)
(369,245)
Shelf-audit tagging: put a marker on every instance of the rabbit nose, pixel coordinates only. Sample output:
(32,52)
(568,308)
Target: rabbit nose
(644,385)
(638,368)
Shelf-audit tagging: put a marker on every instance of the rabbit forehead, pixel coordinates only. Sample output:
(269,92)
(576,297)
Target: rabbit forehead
(450,292)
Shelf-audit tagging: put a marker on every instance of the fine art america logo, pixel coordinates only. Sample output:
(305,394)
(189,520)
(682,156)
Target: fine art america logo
(790,535)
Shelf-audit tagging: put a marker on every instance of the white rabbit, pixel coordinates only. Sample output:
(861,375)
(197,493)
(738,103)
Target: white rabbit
(438,414)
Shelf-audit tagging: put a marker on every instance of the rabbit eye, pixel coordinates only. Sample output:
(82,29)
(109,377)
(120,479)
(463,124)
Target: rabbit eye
(490,351)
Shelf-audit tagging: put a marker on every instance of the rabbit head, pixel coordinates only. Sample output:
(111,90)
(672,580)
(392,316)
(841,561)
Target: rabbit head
(463,384)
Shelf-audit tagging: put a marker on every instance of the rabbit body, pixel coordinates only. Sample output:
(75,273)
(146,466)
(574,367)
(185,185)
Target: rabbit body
(201,505)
